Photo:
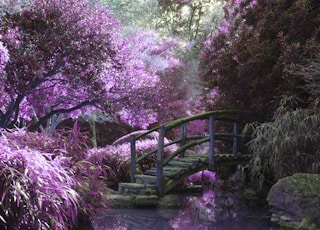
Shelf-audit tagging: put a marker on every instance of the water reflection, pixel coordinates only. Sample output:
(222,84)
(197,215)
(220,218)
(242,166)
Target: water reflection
(210,211)
(135,219)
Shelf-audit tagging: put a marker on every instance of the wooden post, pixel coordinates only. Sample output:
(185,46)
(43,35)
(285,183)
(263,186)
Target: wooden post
(133,158)
(160,186)
(211,144)
(235,138)
(183,137)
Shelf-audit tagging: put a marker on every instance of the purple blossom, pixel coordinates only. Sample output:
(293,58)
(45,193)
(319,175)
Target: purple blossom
(237,2)
(4,58)
(130,76)
(254,3)
(224,28)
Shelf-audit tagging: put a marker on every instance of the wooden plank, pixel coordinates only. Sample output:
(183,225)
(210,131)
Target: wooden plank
(153,172)
(194,158)
(185,159)
(172,168)
(179,164)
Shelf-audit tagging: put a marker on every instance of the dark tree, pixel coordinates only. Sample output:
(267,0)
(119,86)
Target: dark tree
(247,60)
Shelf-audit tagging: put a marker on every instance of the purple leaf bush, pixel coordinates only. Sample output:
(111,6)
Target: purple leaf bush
(204,177)
(46,183)
(116,158)
(36,189)
(90,176)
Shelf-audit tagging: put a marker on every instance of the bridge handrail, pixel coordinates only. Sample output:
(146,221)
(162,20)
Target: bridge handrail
(199,139)
(221,115)
(202,116)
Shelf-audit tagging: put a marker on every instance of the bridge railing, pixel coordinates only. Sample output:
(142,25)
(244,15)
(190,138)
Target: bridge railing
(235,117)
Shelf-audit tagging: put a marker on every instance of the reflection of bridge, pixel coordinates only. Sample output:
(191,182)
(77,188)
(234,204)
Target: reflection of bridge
(172,168)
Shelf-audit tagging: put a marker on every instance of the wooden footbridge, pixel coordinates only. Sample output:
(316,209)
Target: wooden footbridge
(227,146)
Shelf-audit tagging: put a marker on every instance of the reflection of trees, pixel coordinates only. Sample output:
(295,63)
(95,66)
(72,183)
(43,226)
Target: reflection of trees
(196,212)
(134,219)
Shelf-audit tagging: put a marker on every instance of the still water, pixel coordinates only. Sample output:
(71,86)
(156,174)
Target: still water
(209,211)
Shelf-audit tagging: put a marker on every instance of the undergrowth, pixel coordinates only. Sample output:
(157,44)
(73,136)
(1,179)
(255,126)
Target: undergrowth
(290,143)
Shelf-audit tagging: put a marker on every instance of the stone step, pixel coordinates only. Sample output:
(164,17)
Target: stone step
(145,179)
(167,172)
(146,200)
(136,188)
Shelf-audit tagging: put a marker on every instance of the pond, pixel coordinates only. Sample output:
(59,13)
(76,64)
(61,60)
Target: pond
(212,209)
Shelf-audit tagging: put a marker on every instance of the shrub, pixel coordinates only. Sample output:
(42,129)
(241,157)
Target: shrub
(290,144)
(36,190)
(116,158)
(33,160)
(287,146)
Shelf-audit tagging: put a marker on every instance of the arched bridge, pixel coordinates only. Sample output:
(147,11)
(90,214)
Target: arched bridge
(227,146)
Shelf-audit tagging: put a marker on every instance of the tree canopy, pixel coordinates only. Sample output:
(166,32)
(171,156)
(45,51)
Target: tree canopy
(67,56)
(245,64)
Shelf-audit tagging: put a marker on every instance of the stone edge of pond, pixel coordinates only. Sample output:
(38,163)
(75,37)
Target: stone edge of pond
(170,201)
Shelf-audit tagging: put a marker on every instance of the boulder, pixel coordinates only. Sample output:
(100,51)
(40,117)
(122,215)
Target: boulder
(296,201)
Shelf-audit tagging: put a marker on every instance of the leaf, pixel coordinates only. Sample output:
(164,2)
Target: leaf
(2,219)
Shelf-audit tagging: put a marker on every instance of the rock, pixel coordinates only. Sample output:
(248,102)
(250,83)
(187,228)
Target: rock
(169,201)
(146,201)
(296,199)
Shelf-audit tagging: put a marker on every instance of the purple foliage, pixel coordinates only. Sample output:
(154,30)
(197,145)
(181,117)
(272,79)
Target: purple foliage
(116,158)
(70,178)
(4,57)
(82,62)
(203,177)
(36,190)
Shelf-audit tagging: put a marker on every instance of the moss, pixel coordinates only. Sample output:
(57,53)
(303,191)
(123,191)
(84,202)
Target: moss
(308,183)
(297,198)
(308,224)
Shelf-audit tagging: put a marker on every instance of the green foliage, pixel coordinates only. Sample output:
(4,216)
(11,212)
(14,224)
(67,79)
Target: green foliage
(287,146)
(290,144)
(189,22)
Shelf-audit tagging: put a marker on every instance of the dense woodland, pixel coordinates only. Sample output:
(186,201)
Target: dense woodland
(140,64)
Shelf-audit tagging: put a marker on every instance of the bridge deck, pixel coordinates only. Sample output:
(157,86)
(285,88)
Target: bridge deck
(178,169)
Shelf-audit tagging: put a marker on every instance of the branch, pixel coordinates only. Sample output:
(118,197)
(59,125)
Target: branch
(36,126)
(11,108)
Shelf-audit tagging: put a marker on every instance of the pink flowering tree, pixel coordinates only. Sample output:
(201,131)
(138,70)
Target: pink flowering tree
(4,58)
(68,57)
(153,65)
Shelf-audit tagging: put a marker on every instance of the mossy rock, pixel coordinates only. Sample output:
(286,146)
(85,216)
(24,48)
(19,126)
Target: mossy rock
(297,198)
